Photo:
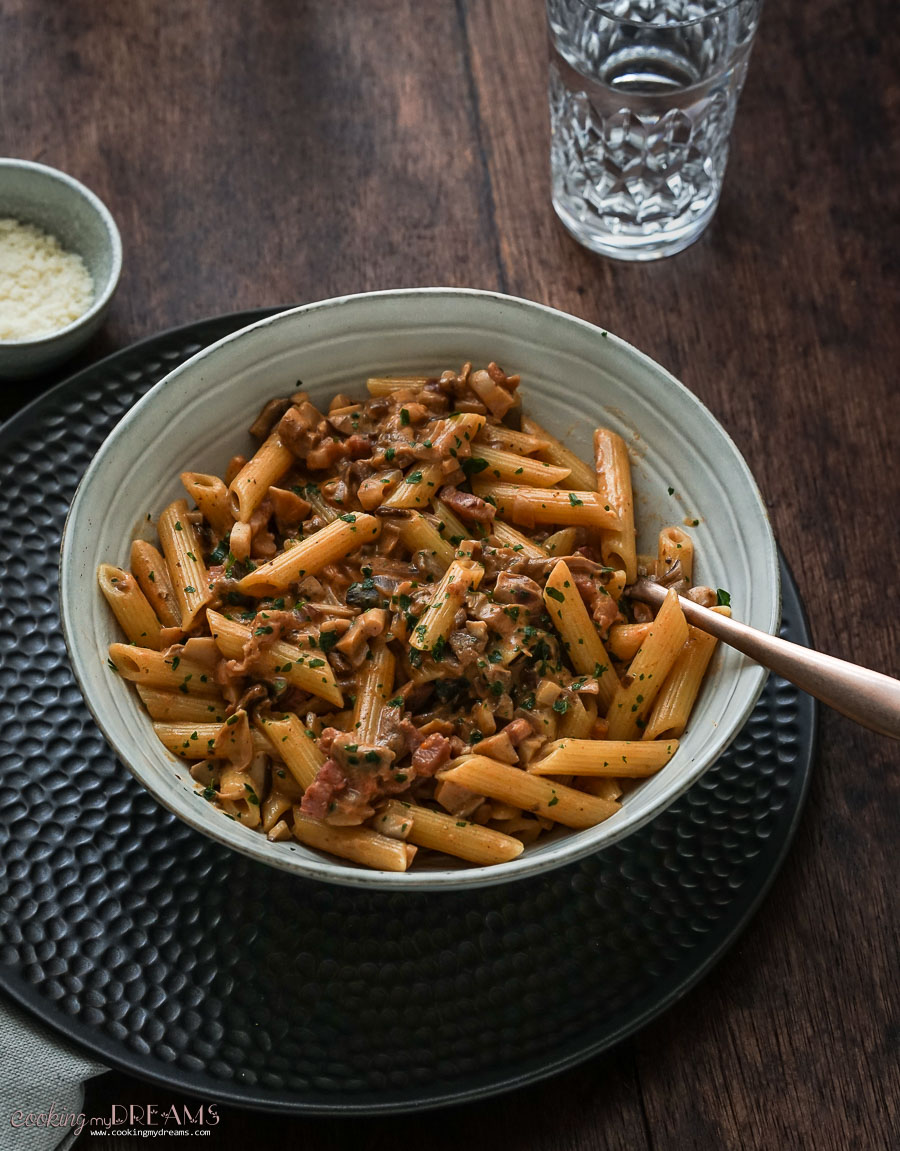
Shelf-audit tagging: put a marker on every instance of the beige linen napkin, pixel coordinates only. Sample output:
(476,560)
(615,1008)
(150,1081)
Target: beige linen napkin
(41,1084)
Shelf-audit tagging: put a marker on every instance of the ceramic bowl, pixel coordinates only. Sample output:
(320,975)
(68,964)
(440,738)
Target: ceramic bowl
(64,208)
(574,377)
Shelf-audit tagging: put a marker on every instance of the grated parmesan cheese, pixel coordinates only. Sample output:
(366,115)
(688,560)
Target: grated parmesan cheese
(42,287)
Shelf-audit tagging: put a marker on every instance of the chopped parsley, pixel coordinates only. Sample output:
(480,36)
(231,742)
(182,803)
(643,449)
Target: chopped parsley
(327,640)
(220,552)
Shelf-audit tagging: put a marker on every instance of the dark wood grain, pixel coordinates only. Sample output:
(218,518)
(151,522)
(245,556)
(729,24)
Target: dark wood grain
(281,151)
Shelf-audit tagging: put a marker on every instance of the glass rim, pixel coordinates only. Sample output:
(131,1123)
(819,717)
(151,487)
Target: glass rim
(721,8)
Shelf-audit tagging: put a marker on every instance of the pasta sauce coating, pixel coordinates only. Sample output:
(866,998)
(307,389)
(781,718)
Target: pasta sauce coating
(404,634)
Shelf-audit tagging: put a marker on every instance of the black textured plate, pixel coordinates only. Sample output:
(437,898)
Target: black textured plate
(175,959)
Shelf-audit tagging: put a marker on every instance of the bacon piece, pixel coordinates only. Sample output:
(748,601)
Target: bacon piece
(320,794)
(518,730)
(411,737)
(603,608)
(358,446)
(431,755)
(471,508)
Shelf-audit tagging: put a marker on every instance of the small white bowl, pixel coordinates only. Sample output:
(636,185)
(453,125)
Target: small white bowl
(574,377)
(64,208)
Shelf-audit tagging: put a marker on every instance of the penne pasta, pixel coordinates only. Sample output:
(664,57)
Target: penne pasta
(580,474)
(604,787)
(354,633)
(339,538)
(196,741)
(436,620)
(516,469)
(291,743)
(150,668)
(152,573)
(374,687)
(449,524)
(678,694)
(606,757)
(176,707)
(422,538)
(510,440)
(386,385)
(184,559)
(508,537)
(130,606)
(561,543)
(579,635)
(635,695)
(529,506)
(625,640)
(418,487)
(675,547)
(304,668)
(454,435)
(613,482)
(210,495)
(274,806)
(552,800)
(442,832)
(359,844)
(579,720)
(266,466)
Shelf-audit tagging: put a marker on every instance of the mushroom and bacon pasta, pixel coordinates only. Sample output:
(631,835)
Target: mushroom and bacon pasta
(403,624)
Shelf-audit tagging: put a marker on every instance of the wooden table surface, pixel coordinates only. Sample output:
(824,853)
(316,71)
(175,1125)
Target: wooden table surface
(279,151)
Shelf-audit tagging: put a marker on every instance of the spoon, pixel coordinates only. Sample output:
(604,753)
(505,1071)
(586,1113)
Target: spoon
(867,697)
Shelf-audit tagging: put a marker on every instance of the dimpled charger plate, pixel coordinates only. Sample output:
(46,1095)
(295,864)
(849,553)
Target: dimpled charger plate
(171,957)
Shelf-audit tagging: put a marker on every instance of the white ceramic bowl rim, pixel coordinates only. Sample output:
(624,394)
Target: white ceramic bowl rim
(300,861)
(101,299)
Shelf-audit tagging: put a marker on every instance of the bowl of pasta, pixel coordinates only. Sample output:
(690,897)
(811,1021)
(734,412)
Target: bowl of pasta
(348,591)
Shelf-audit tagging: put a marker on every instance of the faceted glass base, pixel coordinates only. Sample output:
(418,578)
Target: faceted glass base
(634,245)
